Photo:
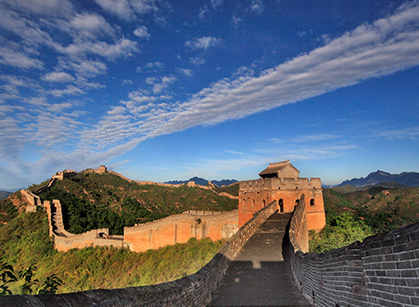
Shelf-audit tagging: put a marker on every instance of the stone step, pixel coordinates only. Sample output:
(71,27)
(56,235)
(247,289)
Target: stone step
(261,275)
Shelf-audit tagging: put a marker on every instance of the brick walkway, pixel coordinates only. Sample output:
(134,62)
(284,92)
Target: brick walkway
(260,276)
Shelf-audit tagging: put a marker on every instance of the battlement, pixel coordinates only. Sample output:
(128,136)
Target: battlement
(281,184)
(64,174)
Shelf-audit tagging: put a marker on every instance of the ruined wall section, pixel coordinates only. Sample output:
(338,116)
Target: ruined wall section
(64,240)
(180,228)
(383,270)
(33,200)
(255,194)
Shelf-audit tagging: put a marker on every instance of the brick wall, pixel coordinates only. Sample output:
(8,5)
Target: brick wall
(383,270)
(192,290)
(180,228)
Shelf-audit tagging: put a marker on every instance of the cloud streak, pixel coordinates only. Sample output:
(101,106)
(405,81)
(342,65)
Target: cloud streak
(384,47)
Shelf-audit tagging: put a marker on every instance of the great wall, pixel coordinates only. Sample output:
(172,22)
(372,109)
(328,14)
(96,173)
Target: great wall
(383,270)
(167,231)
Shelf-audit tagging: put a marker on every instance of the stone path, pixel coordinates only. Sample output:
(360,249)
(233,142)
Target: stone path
(260,276)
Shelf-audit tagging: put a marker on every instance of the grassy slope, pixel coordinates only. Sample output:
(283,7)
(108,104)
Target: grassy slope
(24,241)
(95,201)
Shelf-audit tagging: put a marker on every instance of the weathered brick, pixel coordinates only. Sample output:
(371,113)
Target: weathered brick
(404,265)
(398,248)
(407,255)
(414,301)
(409,273)
(412,282)
(391,257)
(406,291)
(390,265)
(393,273)
(399,281)
(403,299)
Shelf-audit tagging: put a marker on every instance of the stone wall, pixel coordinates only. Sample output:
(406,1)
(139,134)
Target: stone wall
(192,290)
(64,240)
(180,228)
(33,200)
(383,270)
(255,194)
(298,229)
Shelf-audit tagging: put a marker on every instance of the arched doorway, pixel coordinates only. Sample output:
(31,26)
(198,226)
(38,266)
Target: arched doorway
(281,205)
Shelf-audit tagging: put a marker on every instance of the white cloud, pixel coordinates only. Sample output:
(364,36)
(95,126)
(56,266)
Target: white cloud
(371,50)
(18,59)
(186,72)
(234,152)
(89,68)
(217,4)
(143,6)
(411,133)
(163,83)
(123,47)
(203,12)
(69,90)
(235,21)
(91,25)
(60,77)
(142,32)
(315,138)
(127,10)
(152,67)
(120,8)
(196,61)
(203,42)
(127,82)
(257,6)
(46,7)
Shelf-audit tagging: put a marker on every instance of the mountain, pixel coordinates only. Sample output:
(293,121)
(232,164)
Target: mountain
(204,182)
(380,177)
(224,182)
(5,194)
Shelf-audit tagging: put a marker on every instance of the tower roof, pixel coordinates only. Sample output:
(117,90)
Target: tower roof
(276,168)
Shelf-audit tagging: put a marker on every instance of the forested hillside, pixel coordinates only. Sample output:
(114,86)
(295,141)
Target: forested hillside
(93,200)
(354,216)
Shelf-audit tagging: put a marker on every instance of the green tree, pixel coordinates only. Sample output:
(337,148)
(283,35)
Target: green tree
(341,230)
(50,285)
(7,276)
(27,276)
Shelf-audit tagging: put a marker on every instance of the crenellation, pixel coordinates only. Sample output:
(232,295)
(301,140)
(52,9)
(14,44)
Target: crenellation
(281,182)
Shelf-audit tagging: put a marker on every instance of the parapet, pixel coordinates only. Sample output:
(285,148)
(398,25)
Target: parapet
(280,183)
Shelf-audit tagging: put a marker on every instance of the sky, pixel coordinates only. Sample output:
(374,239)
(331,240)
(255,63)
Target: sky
(167,90)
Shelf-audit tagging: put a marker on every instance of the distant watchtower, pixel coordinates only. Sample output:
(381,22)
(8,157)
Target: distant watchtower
(281,182)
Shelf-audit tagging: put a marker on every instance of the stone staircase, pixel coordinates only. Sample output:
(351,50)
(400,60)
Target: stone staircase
(57,218)
(261,275)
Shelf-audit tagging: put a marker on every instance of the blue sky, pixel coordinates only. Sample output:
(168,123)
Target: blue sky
(166,90)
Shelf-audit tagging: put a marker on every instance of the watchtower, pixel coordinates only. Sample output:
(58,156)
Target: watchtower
(280,182)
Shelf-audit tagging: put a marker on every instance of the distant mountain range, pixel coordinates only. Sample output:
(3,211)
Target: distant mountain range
(379,177)
(204,182)
(5,194)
